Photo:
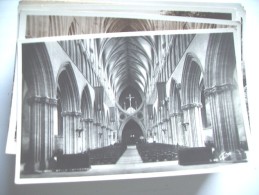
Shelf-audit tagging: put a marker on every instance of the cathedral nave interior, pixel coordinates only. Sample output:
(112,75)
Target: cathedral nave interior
(103,95)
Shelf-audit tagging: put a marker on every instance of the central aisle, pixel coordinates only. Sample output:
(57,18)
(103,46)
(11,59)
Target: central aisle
(130,156)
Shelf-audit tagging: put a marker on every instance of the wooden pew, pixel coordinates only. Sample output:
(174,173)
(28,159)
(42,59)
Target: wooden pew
(196,155)
(73,162)
(154,152)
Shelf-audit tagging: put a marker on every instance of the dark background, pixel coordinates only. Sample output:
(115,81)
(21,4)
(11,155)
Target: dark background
(232,181)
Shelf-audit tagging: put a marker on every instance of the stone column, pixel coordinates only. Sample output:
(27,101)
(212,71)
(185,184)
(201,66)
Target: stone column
(155,133)
(224,124)
(168,134)
(90,134)
(41,143)
(70,124)
(79,140)
(193,125)
(173,130)
(85,136)
(104,136)
(110,138)
(164,132)
(107,136)
(85,125)
(104,140)
(97,133)
(152,131)
(159,130)
(87,133)
(166,122)
(177,129)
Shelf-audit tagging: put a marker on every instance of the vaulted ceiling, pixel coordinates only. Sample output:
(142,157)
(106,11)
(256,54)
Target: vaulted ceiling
(128,61)
(121,62)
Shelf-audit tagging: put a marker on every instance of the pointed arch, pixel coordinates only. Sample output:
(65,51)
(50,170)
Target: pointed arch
(175,99)
(67,84)
(126,121)
(37,70)
(191,101)
(86,104)
(220,60)
(86,118)
(70,110)
(191,76)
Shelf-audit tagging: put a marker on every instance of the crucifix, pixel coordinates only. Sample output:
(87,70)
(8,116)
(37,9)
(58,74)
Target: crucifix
(130,98)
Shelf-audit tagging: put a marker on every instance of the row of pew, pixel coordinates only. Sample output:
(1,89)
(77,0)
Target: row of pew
(83,161)
(156,152)
(72,162)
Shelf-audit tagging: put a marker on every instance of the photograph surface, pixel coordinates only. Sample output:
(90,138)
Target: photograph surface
(131,105)
(52,25)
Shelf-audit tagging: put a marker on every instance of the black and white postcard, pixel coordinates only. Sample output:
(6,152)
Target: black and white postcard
(130,105)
